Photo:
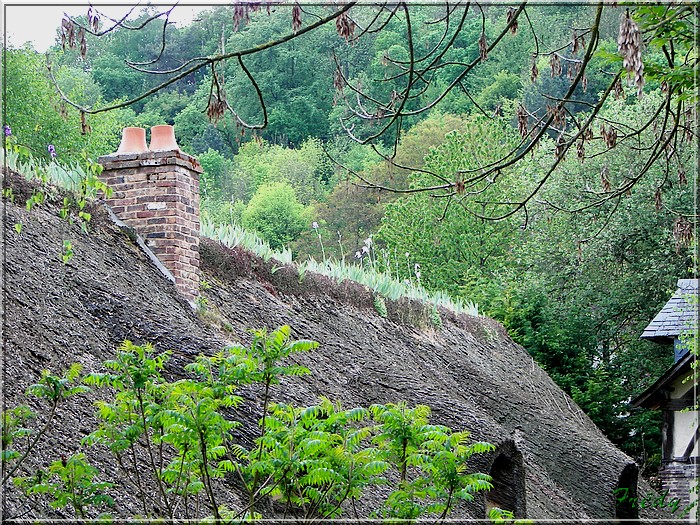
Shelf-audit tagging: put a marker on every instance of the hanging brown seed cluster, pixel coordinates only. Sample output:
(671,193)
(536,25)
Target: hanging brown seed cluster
(338,81)
(67,33)
(84,126)
(618,89)
(83,42)
(71,37)
(560,148)
(558,115)
(459,184)
(609,136)
(510,17)
(682,233)
(345,26)
(689,124)
(629,45)
(522,116)
(581,149)
(93,20)
(241,12)
(605,178)
(63,110)
(483,47)
(573,70)
(534,71)
(296,17)
(578,43)
(682,180)
(555,65)
(216,108)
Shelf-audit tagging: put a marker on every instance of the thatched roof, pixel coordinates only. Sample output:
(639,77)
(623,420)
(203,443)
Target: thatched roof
(469,371)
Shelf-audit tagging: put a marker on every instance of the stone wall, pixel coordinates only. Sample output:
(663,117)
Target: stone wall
(677,477)
(157,194)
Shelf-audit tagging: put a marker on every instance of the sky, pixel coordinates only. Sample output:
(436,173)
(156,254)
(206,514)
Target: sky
(36,21)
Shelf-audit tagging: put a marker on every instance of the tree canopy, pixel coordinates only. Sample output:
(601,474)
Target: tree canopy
(386,64)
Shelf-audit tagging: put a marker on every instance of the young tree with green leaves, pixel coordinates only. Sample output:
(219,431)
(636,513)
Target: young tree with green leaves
(178,437)
(275,214)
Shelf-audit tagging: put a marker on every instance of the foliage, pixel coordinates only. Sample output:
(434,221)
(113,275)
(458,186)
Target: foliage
(70,482)
(275,214)
(589,278)
(459,252)
(38,117)
(430,460)
(179,437)
(52,390)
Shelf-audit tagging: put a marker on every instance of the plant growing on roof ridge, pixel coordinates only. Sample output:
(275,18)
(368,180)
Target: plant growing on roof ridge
(382,282)
(380,305)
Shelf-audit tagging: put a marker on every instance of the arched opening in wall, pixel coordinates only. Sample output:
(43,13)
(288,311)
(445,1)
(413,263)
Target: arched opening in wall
(508,479)
(625,493)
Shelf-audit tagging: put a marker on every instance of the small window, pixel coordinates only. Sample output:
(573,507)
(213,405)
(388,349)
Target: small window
(507,477)
(625,494)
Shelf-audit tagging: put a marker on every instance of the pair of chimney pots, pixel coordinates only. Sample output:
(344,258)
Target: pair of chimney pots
(134,140)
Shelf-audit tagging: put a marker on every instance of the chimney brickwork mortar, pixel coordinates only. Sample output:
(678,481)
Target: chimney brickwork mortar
(157,194)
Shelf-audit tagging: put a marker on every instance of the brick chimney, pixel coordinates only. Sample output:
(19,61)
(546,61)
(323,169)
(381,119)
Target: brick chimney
(157,194)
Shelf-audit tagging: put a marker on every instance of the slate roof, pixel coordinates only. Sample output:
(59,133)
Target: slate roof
(677,315)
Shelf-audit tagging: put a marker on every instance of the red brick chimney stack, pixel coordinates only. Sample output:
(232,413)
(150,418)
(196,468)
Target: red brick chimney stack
(156,192)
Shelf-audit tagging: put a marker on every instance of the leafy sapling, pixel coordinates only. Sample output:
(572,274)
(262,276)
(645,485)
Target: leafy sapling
(131,426)
(70,482)
(51,389)
(430,461)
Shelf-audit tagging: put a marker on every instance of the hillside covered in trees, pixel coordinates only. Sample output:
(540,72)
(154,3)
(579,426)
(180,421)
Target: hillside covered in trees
(521,158)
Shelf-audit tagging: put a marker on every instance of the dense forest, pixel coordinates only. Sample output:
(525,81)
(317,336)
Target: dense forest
(574,276)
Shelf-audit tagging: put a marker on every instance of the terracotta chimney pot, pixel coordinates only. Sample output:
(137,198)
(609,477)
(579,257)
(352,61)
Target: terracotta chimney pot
(163,138)
(133,141)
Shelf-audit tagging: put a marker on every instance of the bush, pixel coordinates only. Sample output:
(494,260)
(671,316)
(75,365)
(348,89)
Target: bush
(276,214)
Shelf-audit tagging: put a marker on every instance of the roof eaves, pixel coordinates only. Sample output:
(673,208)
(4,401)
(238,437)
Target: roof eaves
(649,398)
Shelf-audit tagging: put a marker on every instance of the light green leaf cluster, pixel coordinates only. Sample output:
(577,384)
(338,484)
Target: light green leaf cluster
(69,482)
(179,438)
